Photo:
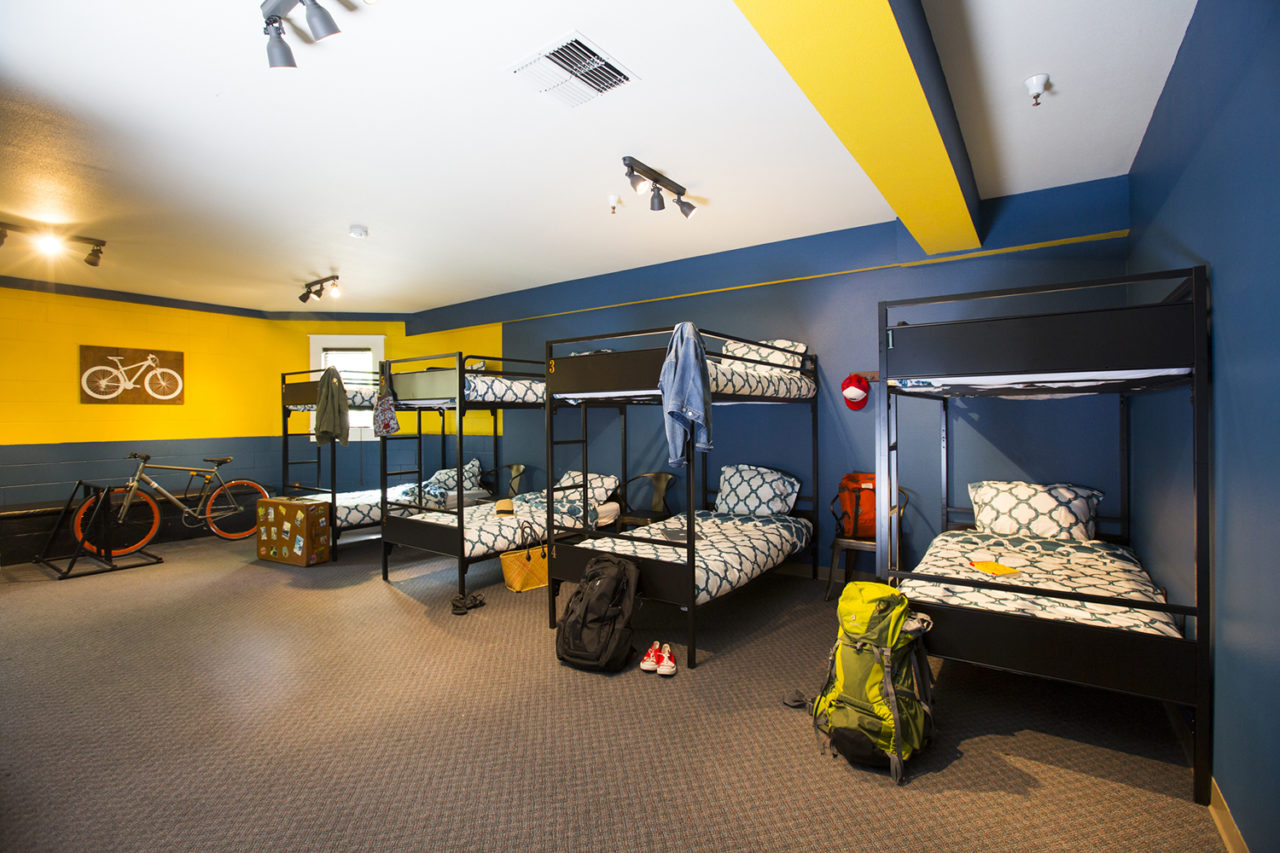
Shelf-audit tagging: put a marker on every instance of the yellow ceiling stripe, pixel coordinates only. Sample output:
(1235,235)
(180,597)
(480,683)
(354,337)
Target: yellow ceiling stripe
(850,59)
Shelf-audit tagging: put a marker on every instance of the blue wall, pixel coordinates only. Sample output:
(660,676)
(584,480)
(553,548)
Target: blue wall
(1206,189)
(836,315)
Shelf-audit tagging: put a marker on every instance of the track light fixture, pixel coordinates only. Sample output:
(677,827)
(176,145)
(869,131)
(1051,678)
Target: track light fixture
(315,289)
(319,21)
(645,179)
(52,243)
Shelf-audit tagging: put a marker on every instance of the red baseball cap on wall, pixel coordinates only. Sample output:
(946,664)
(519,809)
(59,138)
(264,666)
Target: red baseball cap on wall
(856,390)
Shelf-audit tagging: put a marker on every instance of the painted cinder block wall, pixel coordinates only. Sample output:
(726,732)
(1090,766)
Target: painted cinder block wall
(1206,189)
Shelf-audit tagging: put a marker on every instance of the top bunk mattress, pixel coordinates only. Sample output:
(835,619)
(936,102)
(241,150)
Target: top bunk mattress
(358,397)
(1037,385)
(739,371)
(477,388)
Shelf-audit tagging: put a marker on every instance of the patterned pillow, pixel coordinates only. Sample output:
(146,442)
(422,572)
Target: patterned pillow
(447,478)
(1057,511)
(760,353)
(752,490)
(599,486)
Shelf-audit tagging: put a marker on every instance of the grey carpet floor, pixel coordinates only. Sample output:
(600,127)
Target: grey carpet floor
(215,702)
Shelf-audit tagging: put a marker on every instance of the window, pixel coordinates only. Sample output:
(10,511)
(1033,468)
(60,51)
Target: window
(355,356)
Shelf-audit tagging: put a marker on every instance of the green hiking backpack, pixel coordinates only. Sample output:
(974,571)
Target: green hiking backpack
(876,705)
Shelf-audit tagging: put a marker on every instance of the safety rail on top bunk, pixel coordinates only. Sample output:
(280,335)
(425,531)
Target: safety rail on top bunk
(440,380)
(303,392)
(635,372)
(1094,333)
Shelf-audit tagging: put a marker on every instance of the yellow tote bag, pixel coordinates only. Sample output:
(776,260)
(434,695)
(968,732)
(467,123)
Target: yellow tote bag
(526,568)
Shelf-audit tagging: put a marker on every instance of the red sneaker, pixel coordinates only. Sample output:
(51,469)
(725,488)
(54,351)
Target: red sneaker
(666,661)
(650,661)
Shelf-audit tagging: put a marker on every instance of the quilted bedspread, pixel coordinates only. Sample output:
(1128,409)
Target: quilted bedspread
(1091,567)
(728,377)
(489,533)
(731,550)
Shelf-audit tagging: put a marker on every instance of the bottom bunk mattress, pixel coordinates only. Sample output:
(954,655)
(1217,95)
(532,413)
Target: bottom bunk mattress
(730,551)
(488,533)
(1089,567)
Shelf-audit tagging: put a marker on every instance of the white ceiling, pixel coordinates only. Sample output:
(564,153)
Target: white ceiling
(158,127)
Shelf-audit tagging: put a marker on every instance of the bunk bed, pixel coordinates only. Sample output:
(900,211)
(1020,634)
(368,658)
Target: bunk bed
(731,540)
(348,510)
(1080,608)
(457,384)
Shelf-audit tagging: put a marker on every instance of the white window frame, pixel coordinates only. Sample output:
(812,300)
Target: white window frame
(376,344)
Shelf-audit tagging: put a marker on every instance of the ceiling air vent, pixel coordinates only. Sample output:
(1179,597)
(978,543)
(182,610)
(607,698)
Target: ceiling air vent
(573,71)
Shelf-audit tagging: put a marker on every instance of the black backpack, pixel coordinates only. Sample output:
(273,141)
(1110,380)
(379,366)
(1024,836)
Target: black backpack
(595,631)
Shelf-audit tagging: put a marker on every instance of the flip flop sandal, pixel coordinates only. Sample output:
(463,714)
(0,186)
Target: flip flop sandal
(461,604)
(796,699)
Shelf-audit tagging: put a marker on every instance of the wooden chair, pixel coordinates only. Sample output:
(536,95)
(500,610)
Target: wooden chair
(658,508)
(840,545)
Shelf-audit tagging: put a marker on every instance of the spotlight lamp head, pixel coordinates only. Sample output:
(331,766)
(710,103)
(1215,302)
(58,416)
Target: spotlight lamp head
(685,207)
(656,202)
(638,182)
(278,53)
(305,297)
(319,21)
(94,258)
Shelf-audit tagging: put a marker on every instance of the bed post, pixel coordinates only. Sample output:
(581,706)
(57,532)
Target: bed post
(459,412)
(945,452)
(813,482)
(548,434)
(690,533)
(284,446)
(1202,412)
(883,460)
(1126,473)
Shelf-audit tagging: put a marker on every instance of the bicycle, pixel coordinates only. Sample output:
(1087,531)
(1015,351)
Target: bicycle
(229,508)
(104,381)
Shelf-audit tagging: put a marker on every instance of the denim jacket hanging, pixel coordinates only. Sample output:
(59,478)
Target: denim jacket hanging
(686,393)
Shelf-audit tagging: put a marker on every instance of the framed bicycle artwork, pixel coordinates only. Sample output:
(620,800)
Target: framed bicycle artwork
(124,375)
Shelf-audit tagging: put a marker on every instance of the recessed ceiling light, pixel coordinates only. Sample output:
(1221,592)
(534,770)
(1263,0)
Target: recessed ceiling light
(358,231)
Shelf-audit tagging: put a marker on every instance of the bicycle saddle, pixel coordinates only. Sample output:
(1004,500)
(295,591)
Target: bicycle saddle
(221,460)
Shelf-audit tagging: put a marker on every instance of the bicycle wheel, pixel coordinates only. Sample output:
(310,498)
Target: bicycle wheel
(102,382)
(232,510)
(163,383)
(136,529)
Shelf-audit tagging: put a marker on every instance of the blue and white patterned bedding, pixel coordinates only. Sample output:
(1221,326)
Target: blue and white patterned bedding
(489,533)
(358,397)
(500,389)
(732,549)
(1091,567)
(731,377)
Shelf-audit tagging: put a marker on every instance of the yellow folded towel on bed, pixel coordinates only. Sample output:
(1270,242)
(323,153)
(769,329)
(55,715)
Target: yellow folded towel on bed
(992,568)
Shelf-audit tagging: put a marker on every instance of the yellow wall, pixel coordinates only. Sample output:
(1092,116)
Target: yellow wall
(232,367)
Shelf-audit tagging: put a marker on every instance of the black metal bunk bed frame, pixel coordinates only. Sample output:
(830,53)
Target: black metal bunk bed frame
(295,392)
(1173,333)
(619,376)
(441,389)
